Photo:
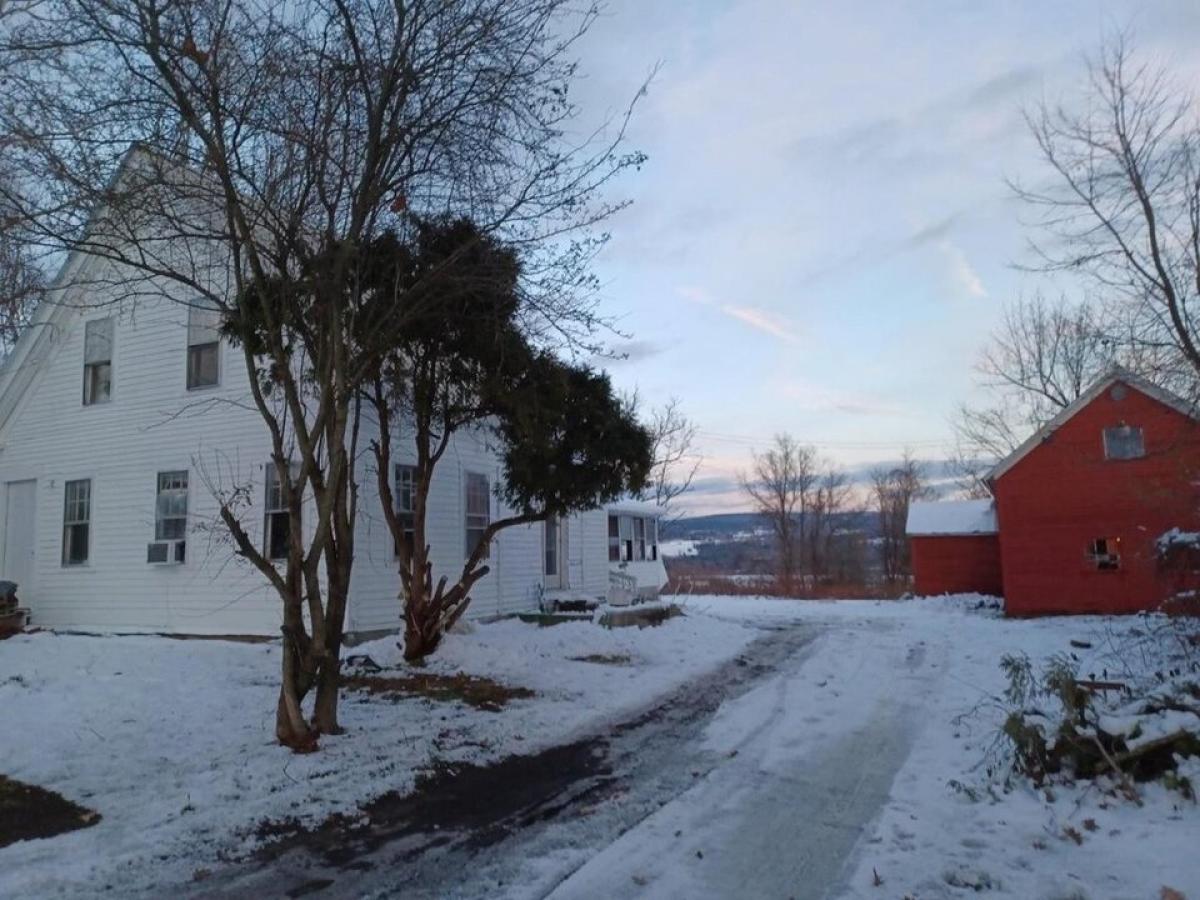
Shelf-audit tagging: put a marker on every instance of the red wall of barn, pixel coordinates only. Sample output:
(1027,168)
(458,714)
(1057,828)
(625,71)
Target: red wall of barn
(956,564)
(1065,494)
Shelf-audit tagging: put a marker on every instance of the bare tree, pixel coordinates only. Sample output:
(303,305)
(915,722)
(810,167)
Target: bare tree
(273,142)
(831,496)
(893,491)
(675,458)
(22,285)
(1040,359)
(1123,205)
(780,486)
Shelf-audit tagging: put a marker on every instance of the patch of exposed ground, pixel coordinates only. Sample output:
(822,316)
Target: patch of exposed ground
(481,693)
(28,811)
(604,659)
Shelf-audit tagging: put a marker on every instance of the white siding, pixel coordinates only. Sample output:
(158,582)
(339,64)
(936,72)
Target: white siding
(152,424)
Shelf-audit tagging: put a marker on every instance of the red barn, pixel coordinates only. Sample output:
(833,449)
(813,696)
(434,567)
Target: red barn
(955,547)
(1081,506)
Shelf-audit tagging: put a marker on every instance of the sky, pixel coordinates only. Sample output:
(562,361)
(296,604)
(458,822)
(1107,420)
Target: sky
(822,237)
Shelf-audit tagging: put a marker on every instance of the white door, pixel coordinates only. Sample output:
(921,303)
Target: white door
(19,535)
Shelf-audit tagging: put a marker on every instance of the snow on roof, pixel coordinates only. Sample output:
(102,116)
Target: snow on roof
(952,517)
(635,508)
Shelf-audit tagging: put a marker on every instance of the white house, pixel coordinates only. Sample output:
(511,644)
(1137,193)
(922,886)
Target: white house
(635,565)
(118,416)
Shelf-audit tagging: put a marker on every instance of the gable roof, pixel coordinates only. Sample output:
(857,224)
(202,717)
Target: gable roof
(950,517)
(1116,374)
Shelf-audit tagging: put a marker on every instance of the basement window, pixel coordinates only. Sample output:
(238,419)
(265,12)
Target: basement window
(1105,554)
(1124,442)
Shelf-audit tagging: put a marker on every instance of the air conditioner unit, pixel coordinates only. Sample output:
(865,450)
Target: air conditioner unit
(166,553)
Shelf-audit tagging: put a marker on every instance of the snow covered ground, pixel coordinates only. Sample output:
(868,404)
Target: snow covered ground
(828,773)
(172,741)
(883,695)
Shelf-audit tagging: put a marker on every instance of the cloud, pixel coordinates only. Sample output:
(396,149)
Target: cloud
(763,321)
(964,278)
(756,318)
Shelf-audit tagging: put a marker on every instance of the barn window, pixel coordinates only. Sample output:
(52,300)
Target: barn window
(204,347)
(77,522)
(1105,554)
(479,511)
(1123,442)
(406,504)
(614,538)
(97,361)
(278,525)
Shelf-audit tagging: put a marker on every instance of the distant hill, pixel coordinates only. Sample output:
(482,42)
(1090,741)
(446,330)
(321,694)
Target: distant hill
(724,525)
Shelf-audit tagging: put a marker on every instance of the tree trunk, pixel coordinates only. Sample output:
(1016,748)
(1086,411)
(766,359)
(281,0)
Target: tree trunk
(290,726)
(325,712)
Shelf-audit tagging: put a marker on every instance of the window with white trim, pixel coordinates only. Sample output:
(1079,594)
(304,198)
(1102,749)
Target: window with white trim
(614,538)
(171,505)
(405,490)
(278,524)
(97,361)
(478,511)
(639,539)
(652,537)
(77,522)
(204,346)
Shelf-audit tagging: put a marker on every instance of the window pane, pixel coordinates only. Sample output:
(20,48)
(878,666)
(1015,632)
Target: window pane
(1123,442)
(204,324)
(406,477)
(203,366)
(278,534)
(76,515)
(170,512)
(97,341)
(97,383)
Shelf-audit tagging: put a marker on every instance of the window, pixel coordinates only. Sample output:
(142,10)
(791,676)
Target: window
(406,503)
(97,361)
(614,539)
(1123,442)
(204,347)
(478,511)
(639,539)
(1105,554)
(551,555)
(652,537)
(626,538)
(278,525)
(170,510)
(77,517)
